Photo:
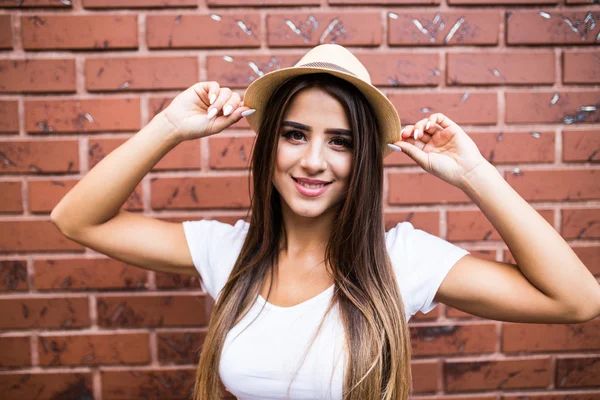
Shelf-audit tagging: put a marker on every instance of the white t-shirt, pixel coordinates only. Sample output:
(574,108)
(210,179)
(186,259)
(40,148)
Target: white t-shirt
(260,362)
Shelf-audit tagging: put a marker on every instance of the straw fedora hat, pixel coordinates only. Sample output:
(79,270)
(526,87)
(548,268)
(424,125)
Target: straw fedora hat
(335,60)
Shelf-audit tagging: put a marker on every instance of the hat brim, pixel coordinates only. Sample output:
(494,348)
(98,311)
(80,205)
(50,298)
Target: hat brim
(258,93)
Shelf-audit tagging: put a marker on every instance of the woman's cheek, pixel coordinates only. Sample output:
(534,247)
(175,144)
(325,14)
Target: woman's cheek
(341,165)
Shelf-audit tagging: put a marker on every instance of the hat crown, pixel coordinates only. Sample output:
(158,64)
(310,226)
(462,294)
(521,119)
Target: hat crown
(334,56)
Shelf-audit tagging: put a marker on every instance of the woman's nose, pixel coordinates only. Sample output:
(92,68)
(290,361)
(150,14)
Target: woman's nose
(313,158)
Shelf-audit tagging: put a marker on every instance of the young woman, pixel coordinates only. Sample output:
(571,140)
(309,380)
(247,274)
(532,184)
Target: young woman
(313,296)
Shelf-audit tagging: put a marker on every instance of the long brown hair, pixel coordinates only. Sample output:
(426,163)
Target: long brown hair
(371,309)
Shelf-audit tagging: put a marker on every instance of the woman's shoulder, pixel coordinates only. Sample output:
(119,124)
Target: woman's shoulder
(398,234)
(214,246)
(214,229)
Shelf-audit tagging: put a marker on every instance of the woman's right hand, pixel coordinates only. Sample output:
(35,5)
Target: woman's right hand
(190,112)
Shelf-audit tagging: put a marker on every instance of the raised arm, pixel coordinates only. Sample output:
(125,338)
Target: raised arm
(90,213)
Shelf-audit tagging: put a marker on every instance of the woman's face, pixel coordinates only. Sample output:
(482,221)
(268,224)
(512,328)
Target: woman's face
(315,143)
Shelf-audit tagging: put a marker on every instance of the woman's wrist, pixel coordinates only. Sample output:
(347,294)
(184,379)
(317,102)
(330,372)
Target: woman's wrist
(164,127)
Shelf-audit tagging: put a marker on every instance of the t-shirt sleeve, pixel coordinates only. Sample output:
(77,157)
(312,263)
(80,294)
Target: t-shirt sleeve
(421,262)
(214,247)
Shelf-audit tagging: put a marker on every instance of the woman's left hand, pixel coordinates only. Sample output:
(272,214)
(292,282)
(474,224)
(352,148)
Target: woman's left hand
(442,148)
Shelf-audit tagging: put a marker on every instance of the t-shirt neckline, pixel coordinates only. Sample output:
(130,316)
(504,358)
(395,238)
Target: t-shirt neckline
(307,303)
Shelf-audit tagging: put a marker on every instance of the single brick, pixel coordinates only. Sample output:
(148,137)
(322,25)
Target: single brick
(119,74)
(425,189)
(88,273)
(206,31)
(37,76)
(580,224)
(386,2)
(11,200)
(47,385)
(552,28)
(35,3)
(522,147)
(581,67)
(464,107)
(443,28)
(176,281)
(495,2)
(84,115)
(184,156)
(556,185)
(9,116)
(19,236)
(453,339)
(536,338)
(16,352)
(567,107)
(39,156)
(13,275)
(93,349)
(402,69)
(310,29)
(262,3)
(6,37)
(205,192)
(152,310)
(497,374)
(493,68)
(79,32)
(581,372)
(161,383)
(51,313)
(581,145)
(138,3)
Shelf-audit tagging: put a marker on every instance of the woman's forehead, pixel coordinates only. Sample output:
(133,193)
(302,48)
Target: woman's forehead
(317,109)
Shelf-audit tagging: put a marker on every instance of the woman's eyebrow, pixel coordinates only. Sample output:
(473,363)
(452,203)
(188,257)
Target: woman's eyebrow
(336,131)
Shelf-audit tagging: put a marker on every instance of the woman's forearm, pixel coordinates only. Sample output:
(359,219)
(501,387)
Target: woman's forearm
(540,252)
(104,189)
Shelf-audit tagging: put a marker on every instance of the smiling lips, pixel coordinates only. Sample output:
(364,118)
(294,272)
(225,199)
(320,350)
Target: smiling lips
(311,187)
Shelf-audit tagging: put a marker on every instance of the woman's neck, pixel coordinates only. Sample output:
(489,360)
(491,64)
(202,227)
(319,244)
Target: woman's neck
(304,235)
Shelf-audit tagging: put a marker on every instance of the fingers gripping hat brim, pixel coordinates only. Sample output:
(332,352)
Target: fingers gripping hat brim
(258,93)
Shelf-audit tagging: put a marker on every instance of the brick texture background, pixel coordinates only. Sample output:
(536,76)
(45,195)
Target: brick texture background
(77,78)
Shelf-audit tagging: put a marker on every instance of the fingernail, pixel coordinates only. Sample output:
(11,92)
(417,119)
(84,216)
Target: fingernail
(227,109)
(394,147)
(427,126)
(212,98)
(416,133)
(248,112)
(212,113)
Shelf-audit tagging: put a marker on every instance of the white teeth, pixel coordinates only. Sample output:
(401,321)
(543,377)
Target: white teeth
(311,186)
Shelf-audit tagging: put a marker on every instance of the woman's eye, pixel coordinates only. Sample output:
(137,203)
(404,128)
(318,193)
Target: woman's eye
(342,142)
(296,135)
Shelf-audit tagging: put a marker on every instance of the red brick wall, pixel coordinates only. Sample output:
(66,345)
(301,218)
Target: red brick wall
(77,80)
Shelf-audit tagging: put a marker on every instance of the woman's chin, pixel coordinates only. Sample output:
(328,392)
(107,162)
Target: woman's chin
(311,210)
(308,213)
